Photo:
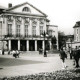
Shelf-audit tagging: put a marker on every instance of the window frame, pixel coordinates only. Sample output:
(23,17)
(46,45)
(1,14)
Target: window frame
(26,30)
(18,30)
(34,30)
(9,29)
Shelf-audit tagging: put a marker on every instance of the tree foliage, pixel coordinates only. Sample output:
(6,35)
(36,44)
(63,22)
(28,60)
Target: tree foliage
(61,39)
(53,40)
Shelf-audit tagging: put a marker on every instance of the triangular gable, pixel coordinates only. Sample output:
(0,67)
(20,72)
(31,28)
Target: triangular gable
(18,8)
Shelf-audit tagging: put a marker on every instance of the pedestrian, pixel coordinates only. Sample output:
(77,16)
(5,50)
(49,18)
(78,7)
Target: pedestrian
(14,53)
(9,52)
(17,53)
(77,56)
(2,51)
(70,52)
(62,57)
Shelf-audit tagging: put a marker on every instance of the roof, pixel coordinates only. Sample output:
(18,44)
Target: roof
(24,4)
(53,25)
(69,36)
(77,24)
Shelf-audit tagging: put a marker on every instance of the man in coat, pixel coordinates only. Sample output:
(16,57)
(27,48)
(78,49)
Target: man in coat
(77,56)
(62,57)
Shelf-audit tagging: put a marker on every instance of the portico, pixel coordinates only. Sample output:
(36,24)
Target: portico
(26,45)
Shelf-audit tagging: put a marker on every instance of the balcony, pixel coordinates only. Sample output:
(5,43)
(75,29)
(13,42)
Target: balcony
(10,36)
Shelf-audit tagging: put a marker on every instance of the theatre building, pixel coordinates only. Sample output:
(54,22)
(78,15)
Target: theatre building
(22,28)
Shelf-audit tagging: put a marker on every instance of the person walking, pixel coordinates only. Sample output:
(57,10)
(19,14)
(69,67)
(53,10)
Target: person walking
(77,56)
(63,55)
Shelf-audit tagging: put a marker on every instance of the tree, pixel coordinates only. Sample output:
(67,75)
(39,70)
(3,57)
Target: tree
(61,39)
(53,41)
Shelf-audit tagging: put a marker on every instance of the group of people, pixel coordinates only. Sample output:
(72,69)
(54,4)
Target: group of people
(16,53)
(74,54)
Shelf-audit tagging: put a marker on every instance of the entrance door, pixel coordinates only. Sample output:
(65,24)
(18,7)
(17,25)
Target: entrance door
(14,44)
(39,44)
(23,45)
(32,45)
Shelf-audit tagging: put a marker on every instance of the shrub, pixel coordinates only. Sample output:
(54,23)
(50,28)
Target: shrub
(73,74)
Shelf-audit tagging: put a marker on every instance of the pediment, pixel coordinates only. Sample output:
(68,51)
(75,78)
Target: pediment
(26,8)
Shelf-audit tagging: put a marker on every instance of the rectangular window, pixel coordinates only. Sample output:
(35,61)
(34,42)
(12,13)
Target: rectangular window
(34,30)
(18,30)
(26,30)
(77,31)
(9,29)
(77,38)
(41,30)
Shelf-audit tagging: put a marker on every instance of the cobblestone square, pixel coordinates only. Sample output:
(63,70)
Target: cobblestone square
(29,63)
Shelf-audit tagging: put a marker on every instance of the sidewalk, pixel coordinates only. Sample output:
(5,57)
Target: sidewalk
(48,64)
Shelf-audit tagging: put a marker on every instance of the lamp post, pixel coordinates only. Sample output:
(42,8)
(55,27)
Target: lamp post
(2,47)
(71,42)
(44,36)
(71,49)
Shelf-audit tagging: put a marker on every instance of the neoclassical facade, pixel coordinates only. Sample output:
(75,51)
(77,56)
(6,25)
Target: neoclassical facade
(21,27)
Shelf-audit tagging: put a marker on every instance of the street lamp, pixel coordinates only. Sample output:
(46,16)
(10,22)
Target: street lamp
(71,48)
(71,42)
(44,36)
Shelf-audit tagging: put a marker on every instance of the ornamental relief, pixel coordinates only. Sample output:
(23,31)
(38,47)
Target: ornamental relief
(41,21)
(34,23)
(34,19)
(9,18)
(18,22)
(26,20)
(18,19)
(26,23)
(9,22)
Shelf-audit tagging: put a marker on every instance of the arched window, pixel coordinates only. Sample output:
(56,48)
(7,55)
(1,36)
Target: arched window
(26,9)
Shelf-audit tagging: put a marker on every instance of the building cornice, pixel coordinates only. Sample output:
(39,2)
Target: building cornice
(24,14)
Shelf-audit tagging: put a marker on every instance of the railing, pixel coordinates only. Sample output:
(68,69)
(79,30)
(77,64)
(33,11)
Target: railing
(21,36)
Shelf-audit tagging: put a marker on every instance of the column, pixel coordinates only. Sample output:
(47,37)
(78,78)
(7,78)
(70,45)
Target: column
(50,44)
(35,45)
(30,27)
(14,27)
(27,43)
(43,45)
(9,44)
(37,28)
(18,44)
(22,27)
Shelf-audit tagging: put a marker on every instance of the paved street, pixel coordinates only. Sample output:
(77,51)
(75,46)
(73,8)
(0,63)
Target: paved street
(30,63)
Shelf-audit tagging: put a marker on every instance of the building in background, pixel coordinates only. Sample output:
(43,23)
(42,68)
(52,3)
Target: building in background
(77,34)
(76,42)
(21,27)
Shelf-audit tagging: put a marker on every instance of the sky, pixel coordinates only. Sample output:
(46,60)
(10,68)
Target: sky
(63,13)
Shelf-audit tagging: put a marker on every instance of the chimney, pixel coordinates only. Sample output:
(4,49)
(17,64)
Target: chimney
(9,5)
